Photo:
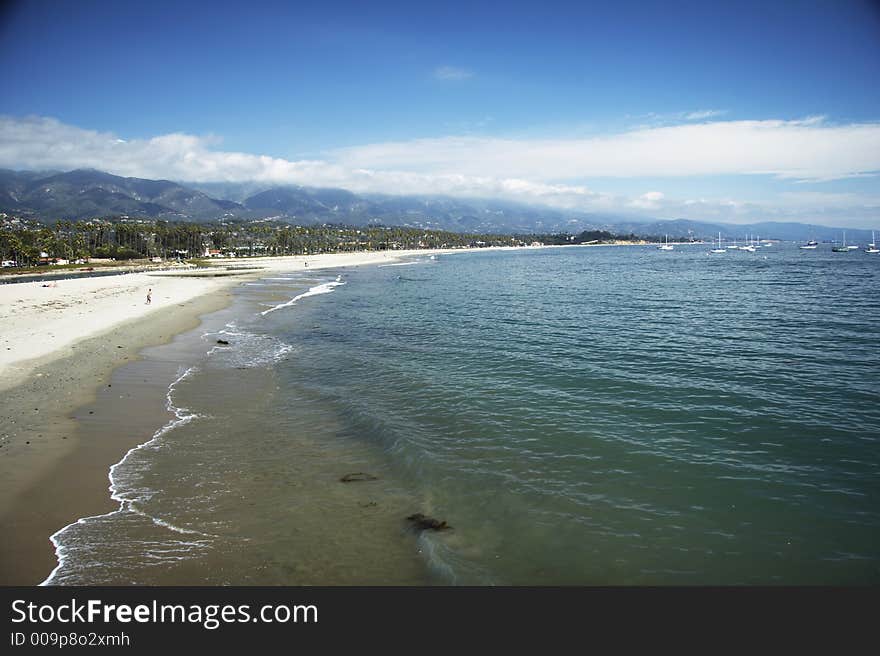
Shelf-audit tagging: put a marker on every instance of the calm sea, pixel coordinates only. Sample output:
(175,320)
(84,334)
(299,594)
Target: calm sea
(589,416)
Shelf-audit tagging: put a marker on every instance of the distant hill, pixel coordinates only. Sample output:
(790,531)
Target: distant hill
(764,230)
(85,193)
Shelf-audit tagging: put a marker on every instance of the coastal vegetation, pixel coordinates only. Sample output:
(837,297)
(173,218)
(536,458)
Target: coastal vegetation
(83,195)
(30,243)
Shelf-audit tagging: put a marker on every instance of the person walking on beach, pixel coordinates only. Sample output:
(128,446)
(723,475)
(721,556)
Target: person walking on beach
(149,296)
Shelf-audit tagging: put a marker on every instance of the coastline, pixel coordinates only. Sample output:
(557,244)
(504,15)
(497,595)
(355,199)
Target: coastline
(59,353)
(51,471)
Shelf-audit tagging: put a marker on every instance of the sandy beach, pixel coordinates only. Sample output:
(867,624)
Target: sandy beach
(59,345)
(43,321)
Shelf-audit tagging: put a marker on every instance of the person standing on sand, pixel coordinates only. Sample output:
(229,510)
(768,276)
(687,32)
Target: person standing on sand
(149,296)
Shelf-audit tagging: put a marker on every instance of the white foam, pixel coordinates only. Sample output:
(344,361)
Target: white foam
(399,264)
(181,416)
(164,524)
(230,330)
(323,288)
(250,349)
(233,333)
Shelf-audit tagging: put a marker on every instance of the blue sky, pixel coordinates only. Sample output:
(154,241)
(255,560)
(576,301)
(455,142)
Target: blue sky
(627,107)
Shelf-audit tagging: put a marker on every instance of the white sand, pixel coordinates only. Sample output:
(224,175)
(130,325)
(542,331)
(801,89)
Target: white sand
(37,322)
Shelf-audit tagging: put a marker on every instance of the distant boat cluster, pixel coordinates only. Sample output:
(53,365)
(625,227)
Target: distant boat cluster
(751,245)
(843,247)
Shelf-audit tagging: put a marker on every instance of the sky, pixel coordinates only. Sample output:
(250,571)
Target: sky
(724,111)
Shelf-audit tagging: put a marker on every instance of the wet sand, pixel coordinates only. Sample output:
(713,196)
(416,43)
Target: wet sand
(61,347)
(53,469)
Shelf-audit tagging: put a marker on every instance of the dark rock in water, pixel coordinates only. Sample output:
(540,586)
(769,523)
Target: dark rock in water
(223,342)
(422,523)
(357,477)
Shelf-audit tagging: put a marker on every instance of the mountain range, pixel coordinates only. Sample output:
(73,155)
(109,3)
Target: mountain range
(87,193)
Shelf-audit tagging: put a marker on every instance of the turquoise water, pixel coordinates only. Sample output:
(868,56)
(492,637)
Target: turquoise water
(588,416)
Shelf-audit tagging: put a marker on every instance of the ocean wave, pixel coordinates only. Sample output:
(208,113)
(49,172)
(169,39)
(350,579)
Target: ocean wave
(398,264)
(323,288)
(247,350)
(230,328)
(64,551)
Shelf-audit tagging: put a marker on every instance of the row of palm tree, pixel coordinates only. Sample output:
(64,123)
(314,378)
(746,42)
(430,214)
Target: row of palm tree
(127,239)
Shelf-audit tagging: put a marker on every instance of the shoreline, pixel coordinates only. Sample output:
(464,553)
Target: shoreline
(52,470)
(38,323)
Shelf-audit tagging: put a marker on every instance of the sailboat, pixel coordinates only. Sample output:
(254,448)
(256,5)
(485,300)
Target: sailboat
(667,246)
(719,249)
(749,247)
(841,249)
(872,247)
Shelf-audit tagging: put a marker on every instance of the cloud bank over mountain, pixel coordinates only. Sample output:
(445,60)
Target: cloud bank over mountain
(561,173)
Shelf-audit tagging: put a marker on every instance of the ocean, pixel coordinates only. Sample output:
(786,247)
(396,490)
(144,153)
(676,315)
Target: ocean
(578,416)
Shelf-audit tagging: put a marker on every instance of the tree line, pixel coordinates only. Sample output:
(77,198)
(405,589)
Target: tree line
(124,239)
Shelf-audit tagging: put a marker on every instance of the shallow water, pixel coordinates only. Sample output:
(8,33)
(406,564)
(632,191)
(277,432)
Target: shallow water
(579,416)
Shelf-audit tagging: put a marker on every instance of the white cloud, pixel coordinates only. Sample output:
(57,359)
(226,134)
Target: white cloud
(800,149)
(452,73)
(808,149)
(45,143)
(648,201)
(527,170)
(704,113)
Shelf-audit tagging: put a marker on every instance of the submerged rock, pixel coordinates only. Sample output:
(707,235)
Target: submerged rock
(223,342)
(422,522)
(357,477)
